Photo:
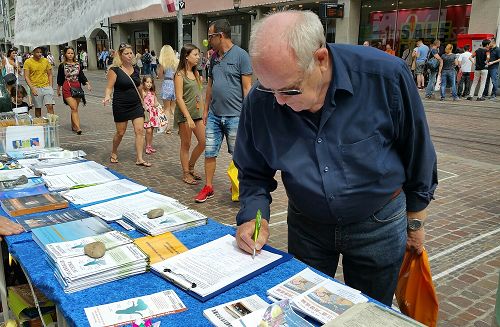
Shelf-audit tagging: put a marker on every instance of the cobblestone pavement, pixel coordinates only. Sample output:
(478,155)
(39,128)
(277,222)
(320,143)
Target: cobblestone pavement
(463,230)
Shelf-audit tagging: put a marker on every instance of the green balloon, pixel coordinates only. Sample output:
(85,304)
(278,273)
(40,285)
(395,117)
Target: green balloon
(205,43)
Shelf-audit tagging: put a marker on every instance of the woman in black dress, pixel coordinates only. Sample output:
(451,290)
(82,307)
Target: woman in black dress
(127,105)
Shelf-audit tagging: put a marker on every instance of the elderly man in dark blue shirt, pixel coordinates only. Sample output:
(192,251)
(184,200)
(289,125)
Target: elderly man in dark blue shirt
(346,127)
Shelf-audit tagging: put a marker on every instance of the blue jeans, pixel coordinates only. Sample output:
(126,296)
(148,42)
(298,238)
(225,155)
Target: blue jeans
(372,249)
(429,90)
(218,127)
(493,77)
(448,77)
(147,69)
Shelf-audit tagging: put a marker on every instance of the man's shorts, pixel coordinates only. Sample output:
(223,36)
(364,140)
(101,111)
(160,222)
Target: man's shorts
(45,96)
(419,68)
(218,127)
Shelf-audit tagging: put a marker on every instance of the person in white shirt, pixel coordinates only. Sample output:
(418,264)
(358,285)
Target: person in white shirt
(465,68)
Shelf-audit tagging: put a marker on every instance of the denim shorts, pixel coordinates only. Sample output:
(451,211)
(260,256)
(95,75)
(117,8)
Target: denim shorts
(218,127)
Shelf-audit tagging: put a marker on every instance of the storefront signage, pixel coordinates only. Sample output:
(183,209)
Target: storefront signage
(331,10)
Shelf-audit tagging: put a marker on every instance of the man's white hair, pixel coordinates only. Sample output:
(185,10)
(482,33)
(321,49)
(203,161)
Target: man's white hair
(304,36)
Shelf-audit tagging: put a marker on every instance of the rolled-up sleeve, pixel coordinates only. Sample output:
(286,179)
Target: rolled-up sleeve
(255,176)
(414,144)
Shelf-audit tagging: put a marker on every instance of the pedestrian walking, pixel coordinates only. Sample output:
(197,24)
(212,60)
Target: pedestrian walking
(465,65)
(70,75)
(153,108)
(38,76)
(188,112)
(154,64)
(123,82)
(229,81)
(168,63)
(479,59)
(448,73)
(84,59)
(10,64)
(146,62)
(138,62)
(435,65)
(358,175)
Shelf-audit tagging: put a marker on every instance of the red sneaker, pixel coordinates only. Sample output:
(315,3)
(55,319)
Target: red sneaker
(206,193)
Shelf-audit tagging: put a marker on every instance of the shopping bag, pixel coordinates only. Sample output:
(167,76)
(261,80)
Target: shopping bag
(232,172)
(415,291)
(437,86)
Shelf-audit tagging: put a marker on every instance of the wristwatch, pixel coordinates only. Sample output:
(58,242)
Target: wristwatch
(415,224)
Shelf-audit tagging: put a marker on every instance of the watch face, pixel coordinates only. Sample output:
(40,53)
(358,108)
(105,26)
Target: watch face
(414,224)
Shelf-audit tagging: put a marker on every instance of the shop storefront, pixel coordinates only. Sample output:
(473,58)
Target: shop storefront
(402,23)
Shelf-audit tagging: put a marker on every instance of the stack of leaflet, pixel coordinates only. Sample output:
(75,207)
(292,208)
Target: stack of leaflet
(168,222)
(75,175)
(64,244)
(316,296)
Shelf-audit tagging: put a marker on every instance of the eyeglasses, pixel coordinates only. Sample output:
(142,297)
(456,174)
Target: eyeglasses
(211,35)
(289,92)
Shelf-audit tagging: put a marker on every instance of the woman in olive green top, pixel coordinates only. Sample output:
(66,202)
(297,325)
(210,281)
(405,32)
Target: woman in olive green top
(188,111)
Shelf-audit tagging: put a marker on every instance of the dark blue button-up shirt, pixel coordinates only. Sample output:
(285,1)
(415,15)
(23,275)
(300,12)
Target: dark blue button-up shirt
(370,139)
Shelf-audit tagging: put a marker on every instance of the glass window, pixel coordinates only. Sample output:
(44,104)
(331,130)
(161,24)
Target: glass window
(402,23)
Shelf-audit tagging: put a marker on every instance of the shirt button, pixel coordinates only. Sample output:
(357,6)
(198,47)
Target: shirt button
(320,140)
(326,169)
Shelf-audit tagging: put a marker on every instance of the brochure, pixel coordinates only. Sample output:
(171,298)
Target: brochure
(295,285)
(127,311)
(160,247)
(34,221)
(226,314)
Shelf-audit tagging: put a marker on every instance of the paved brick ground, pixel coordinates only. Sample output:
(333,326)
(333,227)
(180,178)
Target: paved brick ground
(463,231)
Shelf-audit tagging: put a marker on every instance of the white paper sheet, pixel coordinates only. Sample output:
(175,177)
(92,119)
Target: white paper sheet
(80,178)
(145,201)
(11,174)
(71,168)
(102,192)
(213,265)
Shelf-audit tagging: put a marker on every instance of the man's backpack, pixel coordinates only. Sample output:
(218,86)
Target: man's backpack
(146,58)
(432,63)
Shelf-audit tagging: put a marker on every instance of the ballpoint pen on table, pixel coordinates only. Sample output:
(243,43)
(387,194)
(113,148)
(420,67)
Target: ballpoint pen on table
(256,231)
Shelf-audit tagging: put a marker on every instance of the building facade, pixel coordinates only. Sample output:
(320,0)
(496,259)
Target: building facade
(396,22)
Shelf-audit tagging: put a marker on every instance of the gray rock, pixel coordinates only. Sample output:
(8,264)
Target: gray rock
(155,213)
(95,250)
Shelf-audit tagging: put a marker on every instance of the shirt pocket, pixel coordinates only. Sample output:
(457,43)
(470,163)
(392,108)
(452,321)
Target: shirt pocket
(362,162)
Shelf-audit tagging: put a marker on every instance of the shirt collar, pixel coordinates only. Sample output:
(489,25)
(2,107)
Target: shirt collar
(340,77)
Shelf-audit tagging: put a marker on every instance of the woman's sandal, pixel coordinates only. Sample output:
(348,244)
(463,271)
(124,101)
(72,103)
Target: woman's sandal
(189,179)
(113,159)
(144,164)
(195,175)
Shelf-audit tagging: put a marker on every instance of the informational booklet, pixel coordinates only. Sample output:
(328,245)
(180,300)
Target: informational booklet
(167,223)
(12,174)
(33,204)
(102,192)
(327,300)
(216,266)
(372,315)
(65,154)
(295,285)
(69,168)
(278,314)
(10,190)
(75,248)
(226,314)
(80,178)
(160,247)
(69,231)
(63,216)
(127,311)
(145,201)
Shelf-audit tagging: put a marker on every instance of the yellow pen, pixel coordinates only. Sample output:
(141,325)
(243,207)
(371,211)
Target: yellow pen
(256,231)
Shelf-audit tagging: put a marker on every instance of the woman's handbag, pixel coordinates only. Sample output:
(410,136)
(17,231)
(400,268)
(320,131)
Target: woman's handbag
(76,92)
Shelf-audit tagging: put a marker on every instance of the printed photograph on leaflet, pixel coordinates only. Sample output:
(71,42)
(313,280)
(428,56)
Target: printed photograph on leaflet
(295,285)
(226,314)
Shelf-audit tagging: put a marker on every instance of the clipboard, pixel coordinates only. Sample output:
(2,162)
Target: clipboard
(190,288)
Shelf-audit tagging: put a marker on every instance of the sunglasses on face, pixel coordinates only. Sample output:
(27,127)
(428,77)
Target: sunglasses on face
(124,46)
(211,35)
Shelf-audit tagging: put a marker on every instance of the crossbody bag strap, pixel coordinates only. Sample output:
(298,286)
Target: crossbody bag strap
(133,83)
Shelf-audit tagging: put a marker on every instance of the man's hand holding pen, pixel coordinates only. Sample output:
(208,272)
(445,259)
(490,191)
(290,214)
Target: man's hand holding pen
(245,234)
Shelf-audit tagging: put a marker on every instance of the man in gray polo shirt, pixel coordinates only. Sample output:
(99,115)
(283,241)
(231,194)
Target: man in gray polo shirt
(229,81)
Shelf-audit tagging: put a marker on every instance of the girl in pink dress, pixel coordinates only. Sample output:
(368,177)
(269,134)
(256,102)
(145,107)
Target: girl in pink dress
(153,108)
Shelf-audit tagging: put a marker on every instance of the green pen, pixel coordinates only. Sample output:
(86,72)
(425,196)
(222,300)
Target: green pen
(256,231)
(81,186)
